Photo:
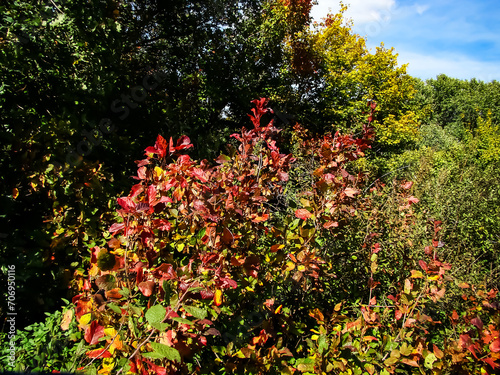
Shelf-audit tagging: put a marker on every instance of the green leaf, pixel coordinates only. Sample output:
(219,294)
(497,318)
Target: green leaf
(115,308)
(429,360)
(166,351)
(156,314)
(154,355)
(322,344)
(160,326)
(201,233)
(196,289)
(196,312)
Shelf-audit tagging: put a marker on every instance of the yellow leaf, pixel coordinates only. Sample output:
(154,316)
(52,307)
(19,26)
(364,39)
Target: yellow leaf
(84,320)
(416,274)
(158,171)
(15,193)
(218,297)
(107,366)
(289,266)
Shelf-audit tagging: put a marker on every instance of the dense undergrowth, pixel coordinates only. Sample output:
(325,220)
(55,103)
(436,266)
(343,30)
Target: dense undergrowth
(261,262)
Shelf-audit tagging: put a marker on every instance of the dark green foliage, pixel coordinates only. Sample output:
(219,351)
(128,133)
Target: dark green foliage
(79,82)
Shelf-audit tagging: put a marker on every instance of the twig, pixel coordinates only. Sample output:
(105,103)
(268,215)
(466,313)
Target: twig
(55,5)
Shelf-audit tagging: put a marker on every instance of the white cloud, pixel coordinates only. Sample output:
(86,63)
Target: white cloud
(456,66)
(360,11)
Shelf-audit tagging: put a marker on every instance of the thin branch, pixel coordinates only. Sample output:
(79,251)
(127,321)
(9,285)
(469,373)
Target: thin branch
(55,5)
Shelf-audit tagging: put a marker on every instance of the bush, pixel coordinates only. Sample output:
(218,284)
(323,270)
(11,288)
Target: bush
(55,344)
(245,266)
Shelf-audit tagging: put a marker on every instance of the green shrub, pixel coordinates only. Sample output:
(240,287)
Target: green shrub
(45,346)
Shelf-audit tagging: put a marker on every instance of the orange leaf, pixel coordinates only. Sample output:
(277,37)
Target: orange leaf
(277,247)
(409,362)
(259,219)
(67,318)
(114,293)
(218,297)
(303,214)
(147,287)
(98,353)
(437,352)
(330,224)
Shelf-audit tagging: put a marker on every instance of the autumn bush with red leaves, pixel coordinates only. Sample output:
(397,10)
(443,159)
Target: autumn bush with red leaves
(246,265)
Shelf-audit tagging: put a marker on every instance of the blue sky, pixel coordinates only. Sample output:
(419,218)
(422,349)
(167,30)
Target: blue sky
(459,38)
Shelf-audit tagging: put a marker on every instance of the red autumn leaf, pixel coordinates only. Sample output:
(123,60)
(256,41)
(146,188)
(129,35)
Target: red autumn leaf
(98,353)
(330,224)
(303,214)
(407,185)
(495,346)
(283,176)
(147,287)
(182,143)
(162,224)
(165,271)
(141,173)
(398,314)
(136,190)
(140,274)
(423,265)
(492,363)
(207,294)
(151,194)
(226,282)
(161,146)
(413,200)
(437,352)
(126,203)
(202,340)
(93,333)
(199,174)
(477,323)
(350,192)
